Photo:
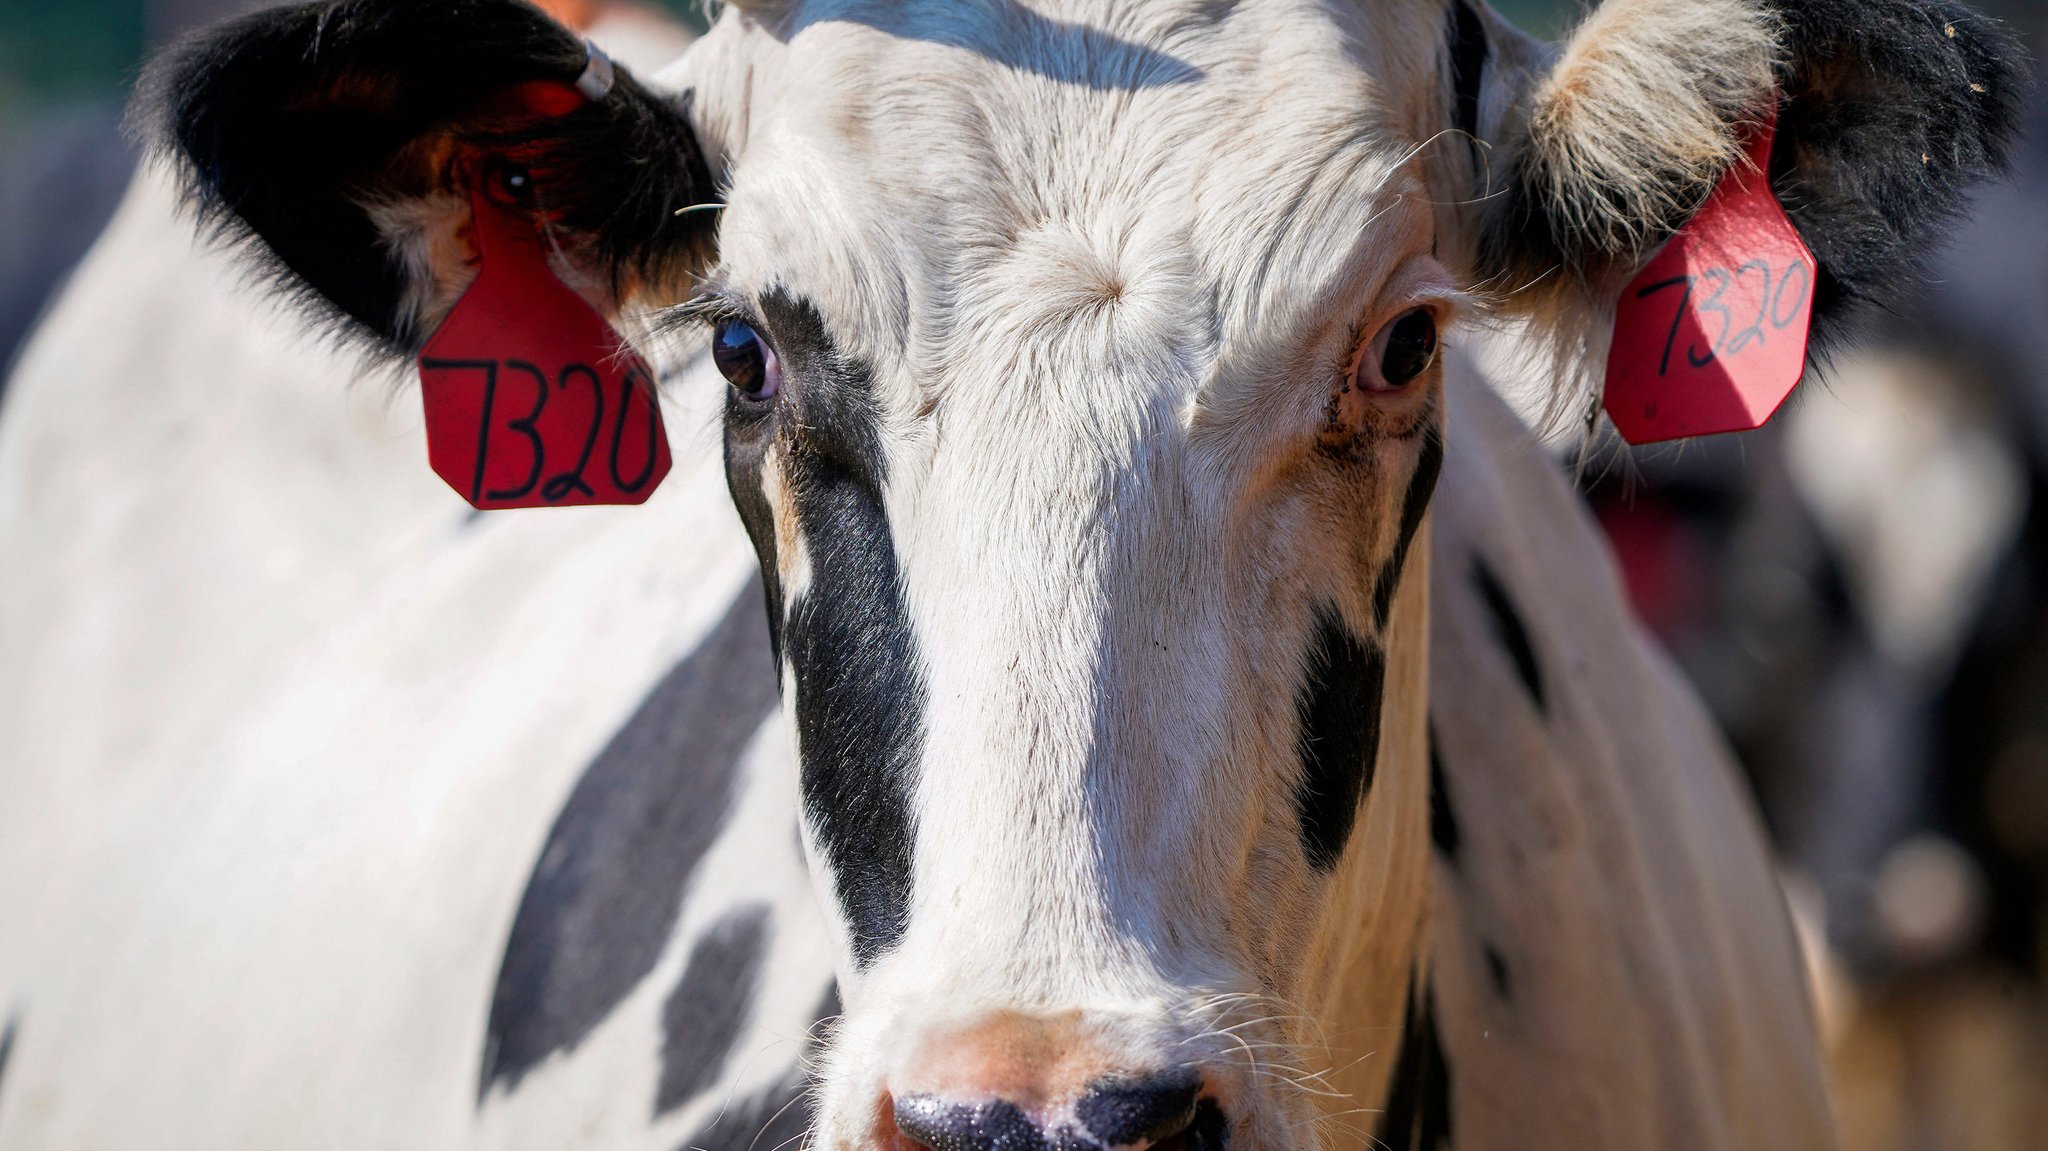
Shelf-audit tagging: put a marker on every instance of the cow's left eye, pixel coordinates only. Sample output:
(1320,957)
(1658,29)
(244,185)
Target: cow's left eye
(1402,351)
(746,361)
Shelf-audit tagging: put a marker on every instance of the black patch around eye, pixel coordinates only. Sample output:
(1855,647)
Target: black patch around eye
(1337,709)
(704,1014)
(604,895)
(860,693)
(1429,465)
(1417,1115)
(744,457)
(1443,819)
(1509,628)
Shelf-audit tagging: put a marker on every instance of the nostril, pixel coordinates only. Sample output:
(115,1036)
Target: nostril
(1120,1111)
(942,1125)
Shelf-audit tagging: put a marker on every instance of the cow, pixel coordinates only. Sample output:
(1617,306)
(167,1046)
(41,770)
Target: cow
(1208,715)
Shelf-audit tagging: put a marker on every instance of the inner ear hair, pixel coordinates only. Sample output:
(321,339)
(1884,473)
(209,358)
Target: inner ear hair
(326,140)
(1631,128)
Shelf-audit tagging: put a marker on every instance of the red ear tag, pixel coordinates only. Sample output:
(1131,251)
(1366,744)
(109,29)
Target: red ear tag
(532,399)
(1711,336)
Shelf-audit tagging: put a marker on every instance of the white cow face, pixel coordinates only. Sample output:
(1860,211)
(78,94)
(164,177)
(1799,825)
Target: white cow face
(1085,399)
(1085,406)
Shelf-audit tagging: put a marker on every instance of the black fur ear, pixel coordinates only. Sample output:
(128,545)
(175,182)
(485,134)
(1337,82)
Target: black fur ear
(1892,110)
(1889,111)
(291,126)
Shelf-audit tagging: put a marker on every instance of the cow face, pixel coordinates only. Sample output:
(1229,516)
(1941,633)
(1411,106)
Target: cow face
(1083,468)
(1086,373)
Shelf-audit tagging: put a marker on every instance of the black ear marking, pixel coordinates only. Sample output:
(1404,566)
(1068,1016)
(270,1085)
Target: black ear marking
(285,123)
(1891,111)
(1337,710)
(1509,628)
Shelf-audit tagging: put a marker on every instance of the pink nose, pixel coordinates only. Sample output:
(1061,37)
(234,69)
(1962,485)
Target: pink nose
(1018,1081)
(1112,1112)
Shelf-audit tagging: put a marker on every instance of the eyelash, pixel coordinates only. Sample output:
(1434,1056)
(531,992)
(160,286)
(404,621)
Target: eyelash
(705,311)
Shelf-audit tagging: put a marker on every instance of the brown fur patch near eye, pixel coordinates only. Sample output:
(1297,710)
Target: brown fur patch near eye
(1354,419)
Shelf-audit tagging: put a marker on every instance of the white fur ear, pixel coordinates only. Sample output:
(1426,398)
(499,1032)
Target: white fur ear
(1631,128)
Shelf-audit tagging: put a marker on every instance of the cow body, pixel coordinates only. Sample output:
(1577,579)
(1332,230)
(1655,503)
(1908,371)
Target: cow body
(1205,718)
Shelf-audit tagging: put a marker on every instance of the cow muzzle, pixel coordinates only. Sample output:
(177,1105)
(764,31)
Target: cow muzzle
(1021,1083)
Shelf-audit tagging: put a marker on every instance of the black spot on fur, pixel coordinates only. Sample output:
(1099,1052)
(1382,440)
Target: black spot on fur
(1421,486)
(1443,819)
(709,1006)
(860,693)
(776,1118)
(7,1046)
(1509,629)
(604,896)
(1497,970)
(1468,67)
(285,122)
(1417,1115)
(1337,709)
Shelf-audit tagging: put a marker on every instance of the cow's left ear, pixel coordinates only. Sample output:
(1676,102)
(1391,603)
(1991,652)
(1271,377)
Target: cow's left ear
(1887,112)
(343,140)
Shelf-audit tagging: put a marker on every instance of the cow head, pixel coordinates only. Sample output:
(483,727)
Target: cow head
(1085,407)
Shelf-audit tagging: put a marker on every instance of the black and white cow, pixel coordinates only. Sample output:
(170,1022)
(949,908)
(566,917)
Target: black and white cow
(1209,717)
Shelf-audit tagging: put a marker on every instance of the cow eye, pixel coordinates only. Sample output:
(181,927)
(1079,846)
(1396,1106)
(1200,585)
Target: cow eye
(1404,350)
(746,361)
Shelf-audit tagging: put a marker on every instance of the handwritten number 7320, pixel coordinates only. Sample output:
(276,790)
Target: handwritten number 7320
(571,479)
(1778,300)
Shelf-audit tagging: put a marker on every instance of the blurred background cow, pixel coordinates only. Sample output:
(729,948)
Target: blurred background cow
(1860,589)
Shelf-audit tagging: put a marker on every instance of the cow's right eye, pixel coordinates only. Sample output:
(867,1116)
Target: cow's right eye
(746,361)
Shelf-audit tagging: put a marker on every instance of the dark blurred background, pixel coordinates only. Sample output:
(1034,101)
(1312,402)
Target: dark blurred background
(1860,591)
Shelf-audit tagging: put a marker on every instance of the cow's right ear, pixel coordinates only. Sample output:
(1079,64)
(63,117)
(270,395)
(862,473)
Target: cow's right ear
(341,140)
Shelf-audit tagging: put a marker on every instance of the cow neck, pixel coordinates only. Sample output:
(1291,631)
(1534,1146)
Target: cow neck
(1371,942)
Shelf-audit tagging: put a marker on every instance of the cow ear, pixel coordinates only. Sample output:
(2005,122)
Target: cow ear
(341,140)
(1887,112)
